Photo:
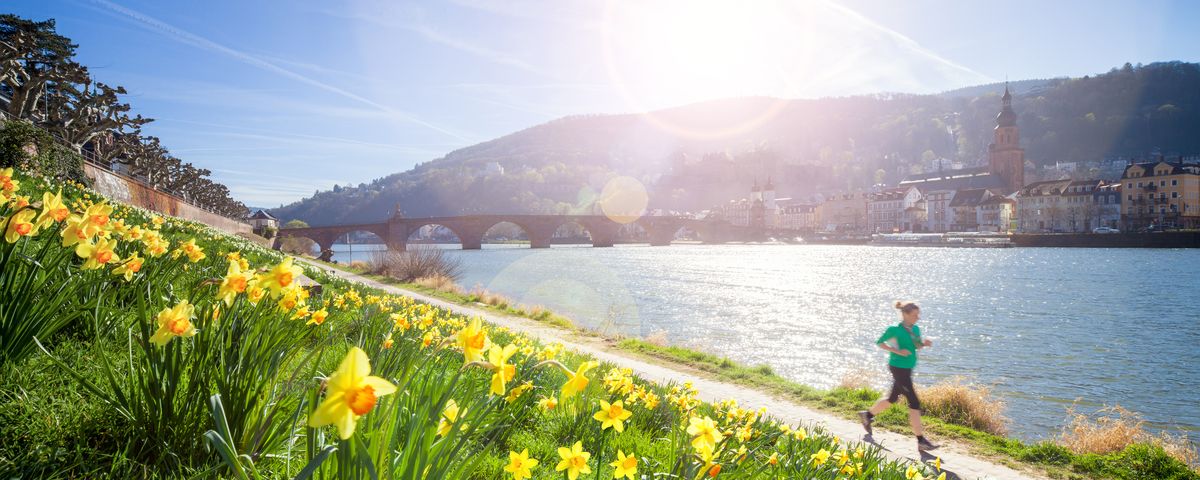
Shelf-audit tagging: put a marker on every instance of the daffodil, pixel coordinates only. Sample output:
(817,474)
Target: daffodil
(19,225)
(281,277)
(612,415)
(516,393)
(129,267)
(548,403)
(97,254)
(820,457)
(774,459)
(450,415)
(235,282)
(174,322)
(95,218)
(704,432)
(8,184)
(350,392)
(913,474)
(498,356)
(574,461)
(318,317)
(577,380)
(624,466)
(473,340)
(519,464)
(189,248)
(53,209)
(387,342)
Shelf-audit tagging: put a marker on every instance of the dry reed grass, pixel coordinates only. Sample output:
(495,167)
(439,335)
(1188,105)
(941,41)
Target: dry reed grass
(1112,429)
(657,338)
(359,265)
(967,404)
(857,379)
(488,298)
(440,283)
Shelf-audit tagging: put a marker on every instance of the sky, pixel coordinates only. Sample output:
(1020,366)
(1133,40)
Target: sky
(281,98)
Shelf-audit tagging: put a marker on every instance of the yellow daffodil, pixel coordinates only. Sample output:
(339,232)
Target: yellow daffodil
(235,282)
(548,403)
(612,415)
(95,218)
(53,209)
(842,456)
(254,292)
(350,392)
(574,461)
(913,474)
(624,466)
(318,317)
(714,470)
(519,464)
(75,232)
(498,356)
(301,312)
(8,184)
(449,416)
(516,393)
(280,277)
(473,340)
(937,462)
(133,234)
(174,322)
(820,457)
(774,459)
(19,225)
(129,267)
(577,380)
(97,254)
(189,248)
(704,432)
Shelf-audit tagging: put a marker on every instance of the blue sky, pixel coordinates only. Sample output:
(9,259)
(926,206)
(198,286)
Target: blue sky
(280,98)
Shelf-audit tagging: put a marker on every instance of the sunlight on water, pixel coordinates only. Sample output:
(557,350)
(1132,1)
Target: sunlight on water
(1045,326)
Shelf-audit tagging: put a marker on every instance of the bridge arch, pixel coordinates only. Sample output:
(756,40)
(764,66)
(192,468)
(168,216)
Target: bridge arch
(355,244)
(434,232)
(571,231)
(507,230)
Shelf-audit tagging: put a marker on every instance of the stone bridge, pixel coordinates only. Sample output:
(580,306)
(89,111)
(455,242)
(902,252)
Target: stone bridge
(470,229)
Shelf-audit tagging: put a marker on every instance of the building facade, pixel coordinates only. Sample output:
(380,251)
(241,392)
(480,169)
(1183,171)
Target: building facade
(1040,208)
(1163,194)
(843,212)
(1107,199)
(996,214)
(1082,214)
(889,210)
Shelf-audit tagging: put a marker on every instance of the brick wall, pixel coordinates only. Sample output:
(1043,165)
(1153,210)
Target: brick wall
(127,190)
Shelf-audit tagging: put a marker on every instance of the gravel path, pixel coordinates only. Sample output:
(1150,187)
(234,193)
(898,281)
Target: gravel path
(956,460)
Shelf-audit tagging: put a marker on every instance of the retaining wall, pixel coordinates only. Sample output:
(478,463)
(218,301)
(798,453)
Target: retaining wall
(1110,240)
(130,191)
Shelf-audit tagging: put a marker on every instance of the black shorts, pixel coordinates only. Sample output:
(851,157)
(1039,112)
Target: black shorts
(902,384)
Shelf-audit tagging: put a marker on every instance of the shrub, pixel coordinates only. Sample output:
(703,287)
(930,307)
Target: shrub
(35,152)
(416,262)
(966,404)
(439,283)
(1109,430)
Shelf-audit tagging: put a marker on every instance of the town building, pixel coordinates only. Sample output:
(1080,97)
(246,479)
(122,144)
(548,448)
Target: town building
(1082,214)
(895,210)
(1040,208)
(261,221)
(797,215)
(1161,194)
(1107,199)
(996,214)
(842,212)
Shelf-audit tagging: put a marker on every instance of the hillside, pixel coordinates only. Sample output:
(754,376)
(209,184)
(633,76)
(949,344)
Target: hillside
(694,156)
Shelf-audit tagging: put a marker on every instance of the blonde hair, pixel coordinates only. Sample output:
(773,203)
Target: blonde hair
(906,306)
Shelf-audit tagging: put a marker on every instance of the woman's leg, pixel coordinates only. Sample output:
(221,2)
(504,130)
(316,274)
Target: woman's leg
(879,406)
(898,378)
(914,419)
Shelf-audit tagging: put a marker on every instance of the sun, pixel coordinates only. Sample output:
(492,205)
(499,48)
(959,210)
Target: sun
(670,52)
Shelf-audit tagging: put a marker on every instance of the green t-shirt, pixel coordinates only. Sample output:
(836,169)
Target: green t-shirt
(903,341)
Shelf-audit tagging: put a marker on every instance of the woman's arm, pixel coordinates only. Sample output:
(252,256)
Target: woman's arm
(898,351)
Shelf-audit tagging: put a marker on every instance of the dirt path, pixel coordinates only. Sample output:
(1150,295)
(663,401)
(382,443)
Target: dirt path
(956,460)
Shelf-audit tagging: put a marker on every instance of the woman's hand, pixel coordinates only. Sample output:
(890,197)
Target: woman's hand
(927,343)
(903,352)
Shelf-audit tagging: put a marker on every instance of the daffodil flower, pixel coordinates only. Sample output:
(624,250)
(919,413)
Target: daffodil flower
(519,464)
(624,466)
(504,372)
(235,282)
(97,254)
(350,392)
(174,322)
(19,225)
(577,380)
(473,340)
(129,267)
(704,432)
(612,415)
(574,461)
(280,277)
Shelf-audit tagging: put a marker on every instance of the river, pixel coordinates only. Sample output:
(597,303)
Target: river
(1046,327)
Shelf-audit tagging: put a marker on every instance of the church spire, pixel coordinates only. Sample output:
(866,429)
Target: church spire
(1007,117)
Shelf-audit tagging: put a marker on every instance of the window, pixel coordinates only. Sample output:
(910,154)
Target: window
(1139,184)
(1162,183)
(1174,194)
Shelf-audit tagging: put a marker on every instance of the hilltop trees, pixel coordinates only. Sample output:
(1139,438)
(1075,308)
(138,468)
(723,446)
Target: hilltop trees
(42,85)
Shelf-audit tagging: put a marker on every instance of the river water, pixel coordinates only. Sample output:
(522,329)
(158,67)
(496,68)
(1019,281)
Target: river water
(1047,328)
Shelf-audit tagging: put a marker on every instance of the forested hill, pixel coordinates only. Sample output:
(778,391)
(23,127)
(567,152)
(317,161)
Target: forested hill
(695,156)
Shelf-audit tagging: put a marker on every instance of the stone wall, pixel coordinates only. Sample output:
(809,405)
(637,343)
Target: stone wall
(130,191)
(1109,240)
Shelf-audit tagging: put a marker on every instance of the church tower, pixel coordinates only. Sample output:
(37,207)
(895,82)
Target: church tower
(1006,158)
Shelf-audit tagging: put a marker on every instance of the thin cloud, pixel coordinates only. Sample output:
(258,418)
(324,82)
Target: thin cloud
(904,40)
(476,50)
(197,41)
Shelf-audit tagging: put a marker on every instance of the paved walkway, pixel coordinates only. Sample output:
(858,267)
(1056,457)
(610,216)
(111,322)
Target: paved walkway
(956,461)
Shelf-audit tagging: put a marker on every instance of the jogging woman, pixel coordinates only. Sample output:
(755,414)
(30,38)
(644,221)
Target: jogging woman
(902,341)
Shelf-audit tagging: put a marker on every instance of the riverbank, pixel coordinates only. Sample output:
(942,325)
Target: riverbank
(834,408)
